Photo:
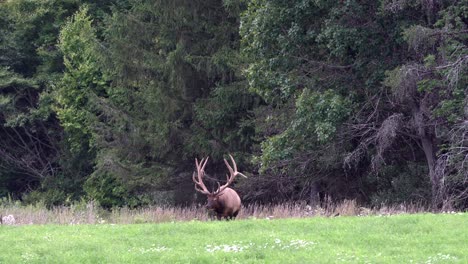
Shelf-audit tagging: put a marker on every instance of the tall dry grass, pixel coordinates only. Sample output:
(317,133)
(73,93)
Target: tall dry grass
(92,214)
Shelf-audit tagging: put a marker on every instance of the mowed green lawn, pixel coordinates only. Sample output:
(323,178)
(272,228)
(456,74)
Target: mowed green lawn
(423,238)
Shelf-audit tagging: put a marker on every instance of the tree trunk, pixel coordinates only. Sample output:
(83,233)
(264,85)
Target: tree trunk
(429,148)
(314,198)
(436,179)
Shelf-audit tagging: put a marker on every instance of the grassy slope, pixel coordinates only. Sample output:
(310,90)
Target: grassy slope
(424,238)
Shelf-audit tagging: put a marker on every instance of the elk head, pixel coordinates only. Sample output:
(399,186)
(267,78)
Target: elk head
(225,202)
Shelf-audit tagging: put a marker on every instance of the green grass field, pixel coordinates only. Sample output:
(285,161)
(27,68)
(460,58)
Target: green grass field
(422,238)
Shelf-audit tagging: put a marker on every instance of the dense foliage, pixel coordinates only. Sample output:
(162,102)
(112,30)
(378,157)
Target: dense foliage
(111,101)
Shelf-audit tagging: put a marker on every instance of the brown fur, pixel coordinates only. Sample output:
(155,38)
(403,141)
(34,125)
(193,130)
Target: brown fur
(226,204)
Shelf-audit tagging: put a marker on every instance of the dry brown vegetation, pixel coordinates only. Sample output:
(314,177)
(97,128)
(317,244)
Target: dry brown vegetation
(91,214)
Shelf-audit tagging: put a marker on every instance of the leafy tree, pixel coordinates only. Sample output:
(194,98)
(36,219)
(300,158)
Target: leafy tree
(173,71)
(30,134)
(82,80)
(31,29)
(423,87)
(35,158)
(309,58)
(329,66)
(29,144)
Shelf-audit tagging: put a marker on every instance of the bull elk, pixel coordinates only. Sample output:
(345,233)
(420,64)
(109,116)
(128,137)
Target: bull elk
(224,202)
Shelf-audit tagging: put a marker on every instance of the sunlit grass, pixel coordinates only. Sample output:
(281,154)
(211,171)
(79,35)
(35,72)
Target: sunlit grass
(421,238)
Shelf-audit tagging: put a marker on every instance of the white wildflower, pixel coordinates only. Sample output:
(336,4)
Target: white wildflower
(226,248)
(28,256)
(440,257)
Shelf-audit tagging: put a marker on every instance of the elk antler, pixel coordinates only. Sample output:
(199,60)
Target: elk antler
(230,178)
(200,172)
